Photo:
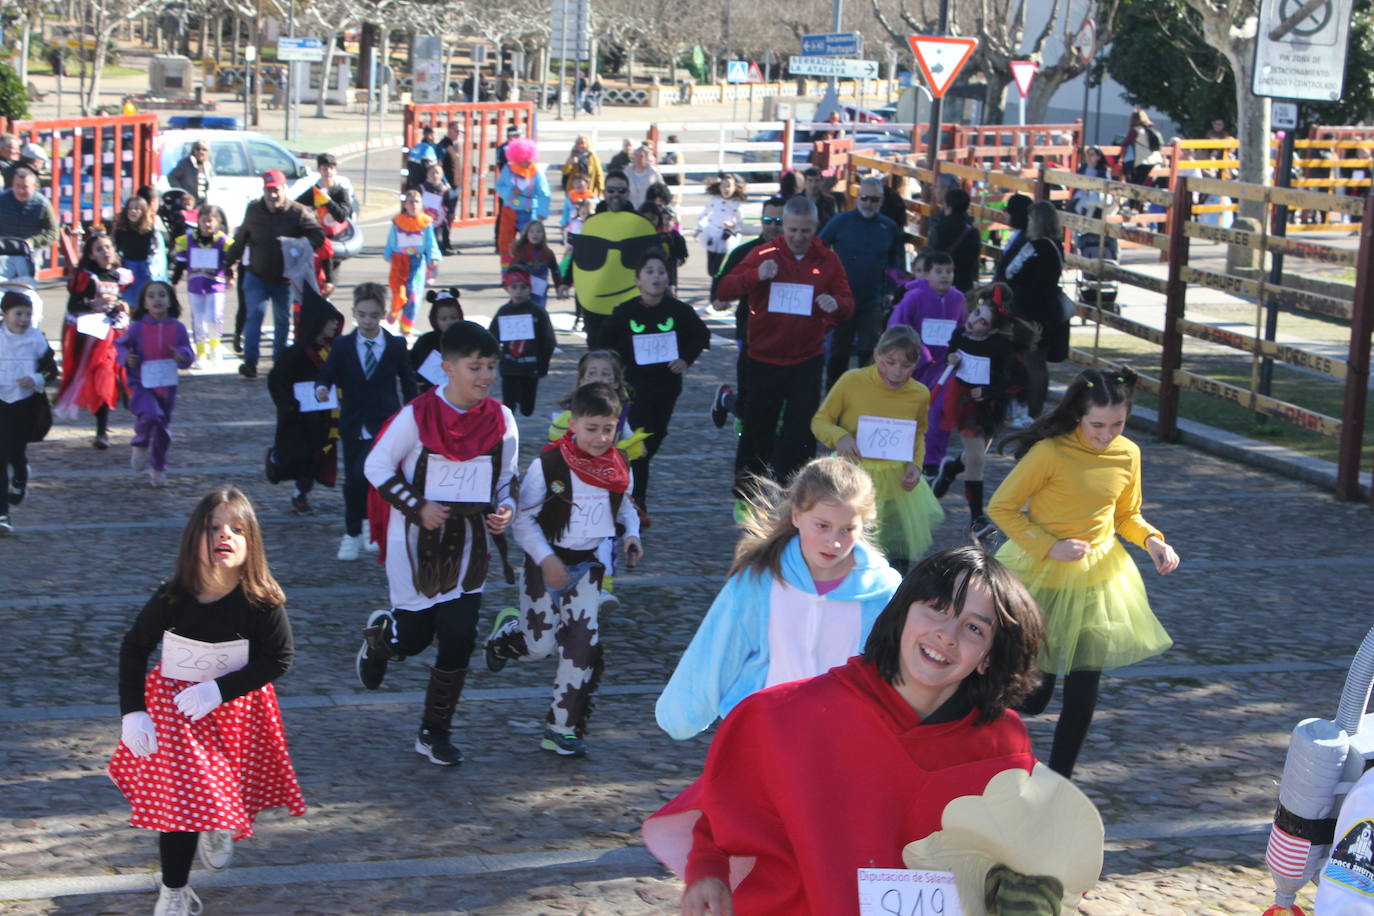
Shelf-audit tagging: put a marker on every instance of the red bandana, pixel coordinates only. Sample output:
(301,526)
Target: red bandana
(609,471)
(458,436)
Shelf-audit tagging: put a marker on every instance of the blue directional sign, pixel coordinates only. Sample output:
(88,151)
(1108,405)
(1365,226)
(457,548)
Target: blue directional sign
(832,44)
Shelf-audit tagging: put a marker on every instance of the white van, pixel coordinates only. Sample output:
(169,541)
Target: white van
(239,158)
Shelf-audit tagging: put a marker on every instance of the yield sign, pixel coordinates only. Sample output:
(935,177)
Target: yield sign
(1023,71)
(941,59)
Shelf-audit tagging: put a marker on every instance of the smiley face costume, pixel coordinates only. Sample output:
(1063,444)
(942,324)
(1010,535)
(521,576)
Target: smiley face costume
(605,255)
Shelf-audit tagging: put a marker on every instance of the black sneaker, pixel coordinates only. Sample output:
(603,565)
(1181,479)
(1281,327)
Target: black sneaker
(980,528)
(495,662)
(434,743)
(102,441)
(950,469)
(238,343)
(6,529)
(248,371)
(370,664)
(269,468)
(17,491)
(720,409)
(563,744)
(301,506)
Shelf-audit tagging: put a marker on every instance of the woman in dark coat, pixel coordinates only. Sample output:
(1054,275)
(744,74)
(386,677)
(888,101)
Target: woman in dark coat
(1033,274)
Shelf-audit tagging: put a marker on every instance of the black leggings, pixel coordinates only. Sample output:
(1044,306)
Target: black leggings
(651,410)
(176,849)
(519,392)
(453,622)
(102,420)
(1080,699)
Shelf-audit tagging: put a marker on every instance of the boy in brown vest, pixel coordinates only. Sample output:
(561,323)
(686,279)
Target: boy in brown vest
(571,499)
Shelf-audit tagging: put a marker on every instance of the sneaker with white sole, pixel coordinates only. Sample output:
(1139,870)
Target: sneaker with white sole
(368,544)
(157,478)
(609,603)
(6,528)
(176,901)
(564,744)
(437,745)
(495,662)
(138,457)
(350,547)
(370,664)
(216,848)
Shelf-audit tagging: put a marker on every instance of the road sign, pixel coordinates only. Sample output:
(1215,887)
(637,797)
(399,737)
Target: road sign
(1023,71)
(1300,49)
(755,74)
(300,49)
(941,59)
(833,44)
(1085,42)
(570,30)
(1284,115)
(833,66)
(737,71)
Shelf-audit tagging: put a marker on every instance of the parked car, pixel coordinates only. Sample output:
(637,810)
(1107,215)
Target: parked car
(239,157)
(868,137)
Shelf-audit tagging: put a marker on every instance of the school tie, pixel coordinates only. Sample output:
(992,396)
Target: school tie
(370,360)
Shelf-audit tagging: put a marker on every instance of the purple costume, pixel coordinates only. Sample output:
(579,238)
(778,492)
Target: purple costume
(919,305)
(149,339)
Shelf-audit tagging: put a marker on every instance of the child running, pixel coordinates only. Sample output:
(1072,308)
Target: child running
(138,240)
(199,757)
(934,308)
(306,447)
(658,338)
(444,310)
(151,351)
(876,416)
(414,255)
(1075,487)
(200,254)
(527,343)
(92,378)
(26,364)
(443,471)
(981,351)
(802,595)
(572,499)
(532,255)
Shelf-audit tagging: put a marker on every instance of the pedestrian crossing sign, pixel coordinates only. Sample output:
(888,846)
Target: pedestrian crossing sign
(737,71)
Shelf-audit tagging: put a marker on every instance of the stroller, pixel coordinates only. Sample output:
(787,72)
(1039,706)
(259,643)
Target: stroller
(17,261)
(1095,290)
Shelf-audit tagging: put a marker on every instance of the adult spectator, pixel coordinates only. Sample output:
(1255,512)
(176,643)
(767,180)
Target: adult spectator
(9,157)
(617,193)
(621,160)
(193,173)
(452,149)
(894,201)
(819,194)
(1033,274)
(869,245)
(672,157)
(265,221)
(1140,150)
(1018,211)
(797,292)
(582,160)
(26,214)
(957,235)
(641,174)
(331,200)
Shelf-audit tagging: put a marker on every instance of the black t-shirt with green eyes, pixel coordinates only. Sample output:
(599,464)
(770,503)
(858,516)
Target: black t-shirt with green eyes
(632,318)
(270,647)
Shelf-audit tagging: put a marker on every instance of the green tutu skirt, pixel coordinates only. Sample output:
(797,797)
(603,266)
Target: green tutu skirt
(906,518)
(1097,615)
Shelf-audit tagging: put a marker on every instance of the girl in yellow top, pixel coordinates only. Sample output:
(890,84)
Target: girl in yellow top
(850,422)
(1075,487)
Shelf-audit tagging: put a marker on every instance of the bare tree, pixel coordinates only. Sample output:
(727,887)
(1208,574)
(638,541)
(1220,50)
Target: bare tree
(100,18)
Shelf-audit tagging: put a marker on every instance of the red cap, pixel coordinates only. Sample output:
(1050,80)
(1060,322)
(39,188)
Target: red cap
(273,178)
(514,275)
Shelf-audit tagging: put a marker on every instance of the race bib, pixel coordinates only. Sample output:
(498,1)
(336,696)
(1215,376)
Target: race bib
(186,659)
(106,288)
(305,397)
(974,370)
(791,298)
(538,285)
(430,201)
(204,259)
(432,370)
(13,368)
(94,324)
(158,373)
(887,438)
(907,892)
(406,241)
(655,348)
(458,481)
(936,332)
(516,327)
(591,516)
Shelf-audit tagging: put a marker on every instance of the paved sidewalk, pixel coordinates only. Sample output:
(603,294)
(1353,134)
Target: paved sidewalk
(1269,604)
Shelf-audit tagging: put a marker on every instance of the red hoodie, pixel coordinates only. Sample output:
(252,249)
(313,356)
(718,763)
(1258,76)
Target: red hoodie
(780,338)
(807,782)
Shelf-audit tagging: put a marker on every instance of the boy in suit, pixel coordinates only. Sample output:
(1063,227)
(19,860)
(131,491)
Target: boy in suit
(367,365)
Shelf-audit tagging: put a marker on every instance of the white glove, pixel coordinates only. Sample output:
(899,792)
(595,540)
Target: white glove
(197,701)
(138,734)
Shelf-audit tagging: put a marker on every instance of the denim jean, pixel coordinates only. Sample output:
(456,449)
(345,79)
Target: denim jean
(256,293)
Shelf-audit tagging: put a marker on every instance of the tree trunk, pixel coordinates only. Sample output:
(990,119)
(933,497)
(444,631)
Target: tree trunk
(630,67)
(24,51)
(203,39)
(1252,126)
(324,72)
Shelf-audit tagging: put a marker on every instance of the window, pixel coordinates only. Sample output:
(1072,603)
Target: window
(266,156)
(227,157)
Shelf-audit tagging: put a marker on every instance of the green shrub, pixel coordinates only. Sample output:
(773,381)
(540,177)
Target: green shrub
(14,101)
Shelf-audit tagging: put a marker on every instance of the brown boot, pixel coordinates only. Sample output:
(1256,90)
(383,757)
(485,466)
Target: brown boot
(441,699)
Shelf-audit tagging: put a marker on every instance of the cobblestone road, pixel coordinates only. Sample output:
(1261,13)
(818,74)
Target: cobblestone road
(1183,759)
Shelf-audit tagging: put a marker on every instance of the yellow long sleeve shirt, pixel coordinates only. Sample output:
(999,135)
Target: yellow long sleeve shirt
(1068,489)
(863,393)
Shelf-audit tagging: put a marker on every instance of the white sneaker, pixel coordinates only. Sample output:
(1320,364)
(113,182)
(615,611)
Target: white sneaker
(157,478)
(1019,416)
(368,544)
(176,901)
(216,848)
(350,547)
(609,603)
(138,457)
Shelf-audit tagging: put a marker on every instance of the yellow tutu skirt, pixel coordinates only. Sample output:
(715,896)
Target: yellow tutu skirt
(906,518)
(1097,614)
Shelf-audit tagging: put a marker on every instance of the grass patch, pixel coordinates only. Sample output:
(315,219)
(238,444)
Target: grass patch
(42,68)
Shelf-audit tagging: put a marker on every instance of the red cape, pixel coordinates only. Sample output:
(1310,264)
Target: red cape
(809,781)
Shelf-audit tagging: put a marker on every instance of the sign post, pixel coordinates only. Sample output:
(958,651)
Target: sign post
(1023,71)
(1300,49)
(940,59)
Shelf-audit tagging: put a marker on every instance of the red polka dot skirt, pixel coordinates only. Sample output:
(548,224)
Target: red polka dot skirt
(215,774)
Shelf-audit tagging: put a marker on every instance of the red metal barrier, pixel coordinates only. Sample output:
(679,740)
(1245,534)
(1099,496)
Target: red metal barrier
(484,128)
(95,164)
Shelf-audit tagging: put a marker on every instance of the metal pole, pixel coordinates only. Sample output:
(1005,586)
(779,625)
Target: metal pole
(290,68)
(371,88)
(563,57)
(933,149)
(1022,116)
(1283,179)
(836,11)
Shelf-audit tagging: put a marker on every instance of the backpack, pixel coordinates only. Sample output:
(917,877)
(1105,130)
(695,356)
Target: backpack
(1153,138)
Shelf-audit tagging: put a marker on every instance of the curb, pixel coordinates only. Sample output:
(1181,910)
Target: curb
(359,145)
